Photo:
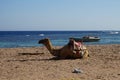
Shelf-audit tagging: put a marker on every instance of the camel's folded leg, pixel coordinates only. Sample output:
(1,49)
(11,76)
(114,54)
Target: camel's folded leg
(86,54)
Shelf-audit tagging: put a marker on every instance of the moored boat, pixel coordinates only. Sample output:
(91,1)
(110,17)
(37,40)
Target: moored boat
(86,39)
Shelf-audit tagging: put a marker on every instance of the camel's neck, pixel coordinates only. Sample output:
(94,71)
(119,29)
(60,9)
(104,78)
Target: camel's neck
(49,46)
(53,51)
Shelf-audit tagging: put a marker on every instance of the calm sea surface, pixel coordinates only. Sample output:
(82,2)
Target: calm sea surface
(11,39)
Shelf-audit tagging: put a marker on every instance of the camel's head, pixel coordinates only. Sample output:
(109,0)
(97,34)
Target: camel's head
(43,41)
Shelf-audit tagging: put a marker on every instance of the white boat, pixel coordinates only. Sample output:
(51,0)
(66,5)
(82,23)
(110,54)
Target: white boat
(86,39)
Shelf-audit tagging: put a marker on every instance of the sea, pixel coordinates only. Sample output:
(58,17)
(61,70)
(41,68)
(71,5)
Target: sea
(13,39)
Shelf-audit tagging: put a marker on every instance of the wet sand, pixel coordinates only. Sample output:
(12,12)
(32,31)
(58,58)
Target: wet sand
(37,63)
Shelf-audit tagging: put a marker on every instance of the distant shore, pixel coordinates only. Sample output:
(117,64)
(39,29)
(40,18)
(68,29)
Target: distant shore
(36,63)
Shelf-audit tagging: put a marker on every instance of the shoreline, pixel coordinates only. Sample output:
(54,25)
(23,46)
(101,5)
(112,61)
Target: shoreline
(56,46)
(36,63)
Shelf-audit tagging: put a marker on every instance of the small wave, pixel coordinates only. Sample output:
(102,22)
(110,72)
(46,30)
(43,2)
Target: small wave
(27,35)
(114,32)
(41,34)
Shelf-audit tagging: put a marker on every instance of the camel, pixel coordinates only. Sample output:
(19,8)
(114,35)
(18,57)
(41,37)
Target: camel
(66,51)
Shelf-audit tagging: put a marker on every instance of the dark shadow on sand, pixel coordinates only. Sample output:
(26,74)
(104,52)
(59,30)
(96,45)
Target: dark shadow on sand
(50,59)
(43,59)
(30,53)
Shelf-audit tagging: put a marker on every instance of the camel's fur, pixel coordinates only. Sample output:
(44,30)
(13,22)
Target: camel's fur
(64,52)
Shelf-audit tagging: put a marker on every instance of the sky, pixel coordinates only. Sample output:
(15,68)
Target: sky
(38,15)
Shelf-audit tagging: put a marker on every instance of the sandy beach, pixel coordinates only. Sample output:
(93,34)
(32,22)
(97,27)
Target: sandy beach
(37,63)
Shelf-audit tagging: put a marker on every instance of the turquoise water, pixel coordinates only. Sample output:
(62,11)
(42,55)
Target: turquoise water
(11,39)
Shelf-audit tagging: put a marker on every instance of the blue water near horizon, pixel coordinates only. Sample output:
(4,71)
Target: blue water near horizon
(12,39)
